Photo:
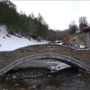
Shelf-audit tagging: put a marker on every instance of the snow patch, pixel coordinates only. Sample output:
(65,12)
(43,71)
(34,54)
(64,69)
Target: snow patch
(82,46)
(56,66)
(10,42)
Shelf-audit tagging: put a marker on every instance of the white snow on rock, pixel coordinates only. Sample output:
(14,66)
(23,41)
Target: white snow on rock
(10,42)
(82,46)
(56,66)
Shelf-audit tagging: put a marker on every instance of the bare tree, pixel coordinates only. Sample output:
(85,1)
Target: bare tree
(73,28)
(83,22)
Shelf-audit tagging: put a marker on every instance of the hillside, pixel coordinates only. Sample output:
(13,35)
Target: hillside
(21,23)
(10,42)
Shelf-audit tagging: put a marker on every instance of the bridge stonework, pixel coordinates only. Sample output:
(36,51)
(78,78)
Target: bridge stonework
(7,58)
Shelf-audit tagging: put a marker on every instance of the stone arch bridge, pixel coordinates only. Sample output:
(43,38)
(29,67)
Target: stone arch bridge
(66,54)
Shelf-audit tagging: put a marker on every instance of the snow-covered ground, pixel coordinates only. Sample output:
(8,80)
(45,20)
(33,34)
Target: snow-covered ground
(10,42)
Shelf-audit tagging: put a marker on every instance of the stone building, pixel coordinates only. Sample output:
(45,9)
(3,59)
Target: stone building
(86,30)
(78,39)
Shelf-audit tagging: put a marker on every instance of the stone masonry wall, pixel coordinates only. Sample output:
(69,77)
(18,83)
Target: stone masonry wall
(8,57)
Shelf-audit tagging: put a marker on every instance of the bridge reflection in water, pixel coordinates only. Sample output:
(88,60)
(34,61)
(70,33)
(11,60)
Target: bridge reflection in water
(39,56)
(66,54)
(65,79)
(71,61)
(35,69)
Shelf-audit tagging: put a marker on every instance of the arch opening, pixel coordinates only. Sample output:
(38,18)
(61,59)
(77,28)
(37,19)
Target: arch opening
(58,57)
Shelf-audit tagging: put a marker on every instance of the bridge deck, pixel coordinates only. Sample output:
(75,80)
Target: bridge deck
(7,58)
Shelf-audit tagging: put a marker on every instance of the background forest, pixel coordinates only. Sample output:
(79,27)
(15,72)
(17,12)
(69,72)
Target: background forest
(35,27)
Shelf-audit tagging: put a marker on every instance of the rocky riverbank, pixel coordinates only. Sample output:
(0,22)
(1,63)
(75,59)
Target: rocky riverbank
(68,79)
(27,73)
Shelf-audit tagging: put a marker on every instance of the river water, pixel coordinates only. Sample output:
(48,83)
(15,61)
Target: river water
(68,79)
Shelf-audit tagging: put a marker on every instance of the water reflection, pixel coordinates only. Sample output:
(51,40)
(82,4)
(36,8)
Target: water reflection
(67,79)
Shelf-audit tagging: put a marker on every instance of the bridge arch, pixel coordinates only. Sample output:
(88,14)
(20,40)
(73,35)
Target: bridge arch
(58,57)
